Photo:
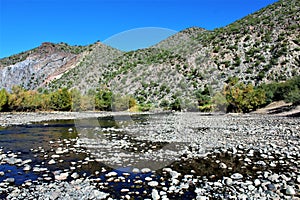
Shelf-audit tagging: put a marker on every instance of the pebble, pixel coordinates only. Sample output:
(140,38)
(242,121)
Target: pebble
(51,162)
(135,170)
(257,182)
(236,176)
(155,195)
(145,170)
(228,181)
(290,191)
(75,175)
(110,174)
(222,166)
(61,176)
(153,183)
(10,180)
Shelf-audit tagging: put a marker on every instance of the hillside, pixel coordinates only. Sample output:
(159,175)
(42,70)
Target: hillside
(31,69)
(261,47)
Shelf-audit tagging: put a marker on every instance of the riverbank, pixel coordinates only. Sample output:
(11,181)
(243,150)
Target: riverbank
(216,157)
(20,118)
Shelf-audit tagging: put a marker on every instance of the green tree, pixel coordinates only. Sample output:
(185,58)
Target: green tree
(243,98)
(103,100)
(61,100)
(3,100)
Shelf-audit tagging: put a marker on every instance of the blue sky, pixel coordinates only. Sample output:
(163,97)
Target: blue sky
(25,24)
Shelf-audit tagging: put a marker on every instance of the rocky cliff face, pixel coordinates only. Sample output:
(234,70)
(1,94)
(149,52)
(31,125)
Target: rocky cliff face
(37,67)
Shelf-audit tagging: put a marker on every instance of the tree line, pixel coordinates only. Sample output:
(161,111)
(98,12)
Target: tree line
(21,100)
(236,96)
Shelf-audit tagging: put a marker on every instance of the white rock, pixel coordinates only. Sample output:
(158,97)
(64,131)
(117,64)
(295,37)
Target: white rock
(124,190)
(55,156)
(153,183)
(145,170)
(202,198)
(257,182)
(135,170)
(155,195)
(99,195)
(290,191)
(148,179)
(75,175)
(26,168)
(59,150)
(222,166)
(174,174)
(251,187)
(110,174)
(51,162)
(236,176)
(228,181)
(62,176)
(26,161)
(218,184)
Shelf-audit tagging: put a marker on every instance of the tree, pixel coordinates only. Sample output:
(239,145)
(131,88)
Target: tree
(3,100)
(103,100)
(61,100)
(243,98)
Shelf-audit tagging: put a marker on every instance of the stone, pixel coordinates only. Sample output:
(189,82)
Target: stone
(75,175)
(135,170)
(96,194)
(202,198)
(222,166)
(61,176)
(290,191)
(10,180)
(228,181)
(251,187)
(257,182)
(236,176)
(51,162)
(218,184)
(155,195)
(124,190)
(27,168)
(145,170)
(59,150)
(153,183)
(110,174)
(271,187)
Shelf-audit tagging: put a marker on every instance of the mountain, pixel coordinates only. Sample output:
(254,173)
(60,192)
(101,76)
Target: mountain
(261,47)
(31,69)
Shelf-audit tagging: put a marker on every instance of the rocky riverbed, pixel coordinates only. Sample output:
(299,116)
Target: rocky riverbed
(162,156)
